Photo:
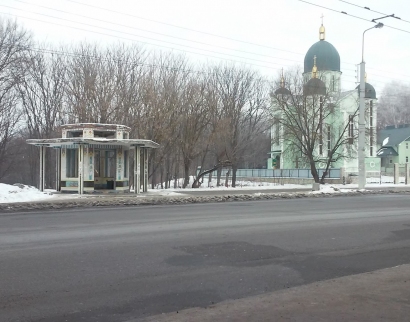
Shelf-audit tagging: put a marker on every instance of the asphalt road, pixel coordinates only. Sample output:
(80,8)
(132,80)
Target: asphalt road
(125,263)
(244,190)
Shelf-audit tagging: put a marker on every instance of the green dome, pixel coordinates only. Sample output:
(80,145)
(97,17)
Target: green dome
(327,57)
(282,91)
(369,91)
(314,87)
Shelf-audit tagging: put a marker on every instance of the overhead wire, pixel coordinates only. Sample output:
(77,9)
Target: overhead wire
(72,54)
(292,60)
(347,14)
(343,12)
(181,27)
(153,32)
(242,62)
(159,22)
(176,26)
(368,9)
(172,48)
(215,35)
(131,34)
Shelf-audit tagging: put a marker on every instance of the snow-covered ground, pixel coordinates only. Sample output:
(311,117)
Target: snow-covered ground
(21,193)
(24,193)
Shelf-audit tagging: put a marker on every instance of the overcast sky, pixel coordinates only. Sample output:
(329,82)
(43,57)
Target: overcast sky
(264,34)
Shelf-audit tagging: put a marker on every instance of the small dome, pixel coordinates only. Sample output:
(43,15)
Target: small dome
(282,91)
(314,87)
(327,57)
(322,32)
(321,29)
(369,91)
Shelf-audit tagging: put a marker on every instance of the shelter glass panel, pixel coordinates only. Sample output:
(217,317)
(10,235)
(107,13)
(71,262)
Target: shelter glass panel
(126,164)
(110,164)
(72,163)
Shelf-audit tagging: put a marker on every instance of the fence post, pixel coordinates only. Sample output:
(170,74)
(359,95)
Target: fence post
(343,175)
(396,173)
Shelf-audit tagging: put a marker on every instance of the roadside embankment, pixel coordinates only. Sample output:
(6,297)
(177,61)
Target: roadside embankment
(141,200)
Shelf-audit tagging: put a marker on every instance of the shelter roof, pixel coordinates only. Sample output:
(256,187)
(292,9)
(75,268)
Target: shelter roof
(95,126)
(61,142)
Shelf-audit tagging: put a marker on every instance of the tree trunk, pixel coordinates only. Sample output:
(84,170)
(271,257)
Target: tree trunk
(322,179)
(218,177)
(187,165)
(326,172)
(234,169)
(162,177)
(176,175)
(314,172)
(200,176)
(227,178)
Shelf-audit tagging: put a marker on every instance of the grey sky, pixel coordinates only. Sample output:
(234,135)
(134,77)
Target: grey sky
(284,29)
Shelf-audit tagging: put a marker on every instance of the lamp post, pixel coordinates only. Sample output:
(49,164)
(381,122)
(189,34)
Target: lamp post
(362,127)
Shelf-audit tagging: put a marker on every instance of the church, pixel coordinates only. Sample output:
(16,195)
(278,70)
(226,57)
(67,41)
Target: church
(322,80)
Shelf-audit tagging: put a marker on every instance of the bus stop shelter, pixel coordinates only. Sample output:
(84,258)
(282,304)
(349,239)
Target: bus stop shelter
(94,157)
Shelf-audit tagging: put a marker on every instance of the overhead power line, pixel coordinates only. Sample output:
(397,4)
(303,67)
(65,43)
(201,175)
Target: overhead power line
(145,30)
(368,9)
(144,42)
(348,79)
(347,14)
(180,27)
(229,60)
(122,25)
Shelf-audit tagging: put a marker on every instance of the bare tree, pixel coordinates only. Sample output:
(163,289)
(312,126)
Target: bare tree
(42,95)
(309,123)
(159,113)
(394,105)
(194,121)
(14,46)
(100,82)
(243,99)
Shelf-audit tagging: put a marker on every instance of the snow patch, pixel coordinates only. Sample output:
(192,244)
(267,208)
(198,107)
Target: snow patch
(21,193)
(385,141)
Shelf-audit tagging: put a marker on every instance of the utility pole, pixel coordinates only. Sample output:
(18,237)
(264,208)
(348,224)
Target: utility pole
(362,126)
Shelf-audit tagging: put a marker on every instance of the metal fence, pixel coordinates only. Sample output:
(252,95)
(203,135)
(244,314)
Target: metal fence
(279,173)
(386,175)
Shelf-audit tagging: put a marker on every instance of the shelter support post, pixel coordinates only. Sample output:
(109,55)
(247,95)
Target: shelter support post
(145,180)
(137,169)
(42,167)
(58,169)
(407,174)
(81,169)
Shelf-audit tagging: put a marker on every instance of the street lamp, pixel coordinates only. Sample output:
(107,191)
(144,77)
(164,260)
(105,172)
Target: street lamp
(362,128)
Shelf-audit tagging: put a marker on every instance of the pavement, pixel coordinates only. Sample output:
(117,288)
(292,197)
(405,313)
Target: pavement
(379,296)
(116,264)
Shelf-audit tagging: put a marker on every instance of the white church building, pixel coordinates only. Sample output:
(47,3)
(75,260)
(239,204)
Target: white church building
(322,73)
